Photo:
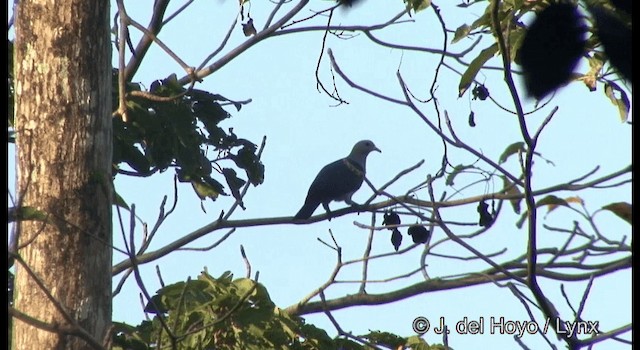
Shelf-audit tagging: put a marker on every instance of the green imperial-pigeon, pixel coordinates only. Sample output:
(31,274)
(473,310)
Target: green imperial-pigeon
(338,181)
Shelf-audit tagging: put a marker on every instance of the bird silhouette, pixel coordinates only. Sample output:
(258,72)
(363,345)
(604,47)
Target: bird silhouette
(338,181)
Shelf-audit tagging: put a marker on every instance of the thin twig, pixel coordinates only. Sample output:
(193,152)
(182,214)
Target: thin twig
(365,256)
(177,12)
(140,283)
(222,61)
(222,224)
(155,25)
(341,332)
(188,69)
(223,43)
(273,14)
(335,66)
(209,247)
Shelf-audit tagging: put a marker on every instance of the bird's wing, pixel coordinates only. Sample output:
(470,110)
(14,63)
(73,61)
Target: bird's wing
(335,181)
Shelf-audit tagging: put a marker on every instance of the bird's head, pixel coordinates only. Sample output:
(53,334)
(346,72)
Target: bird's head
(363,148)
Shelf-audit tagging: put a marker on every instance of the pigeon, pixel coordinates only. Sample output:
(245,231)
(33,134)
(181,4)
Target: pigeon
(338,181)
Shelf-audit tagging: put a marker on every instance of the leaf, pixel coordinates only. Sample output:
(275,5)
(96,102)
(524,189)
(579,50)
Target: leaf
(511,150)
(472,120)
(136,160)
(205,190)
(590,78)
(474,67)
(482,21)
(622,103)
(226,276)
(574,199)
(235,184)
(615,36)
(347,344)
(621,209)
(349,3)
(248,29)
(385,338)
(249,161)
(512,189)
(156,305)
(480,92)
(244,285)
(390,218)
(552,202)
(485,219)
(396,239)
(551,48)
(209,112)
(419,233)
(320,339)
(414,342)
(119,201)
(417,5)
(456,170)
(129,337)
(26,213)
(461,33)
(516,37)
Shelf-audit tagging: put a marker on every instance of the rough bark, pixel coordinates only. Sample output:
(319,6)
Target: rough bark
(62,67)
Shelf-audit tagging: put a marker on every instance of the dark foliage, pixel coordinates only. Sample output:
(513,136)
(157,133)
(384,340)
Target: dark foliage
(551,48)
(180,130)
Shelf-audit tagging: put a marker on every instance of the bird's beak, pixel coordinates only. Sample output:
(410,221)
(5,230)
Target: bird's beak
(377,149)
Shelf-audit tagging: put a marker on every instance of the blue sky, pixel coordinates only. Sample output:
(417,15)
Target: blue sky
(305,131)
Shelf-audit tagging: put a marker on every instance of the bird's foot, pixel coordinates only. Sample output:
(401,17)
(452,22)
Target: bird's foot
(329,212)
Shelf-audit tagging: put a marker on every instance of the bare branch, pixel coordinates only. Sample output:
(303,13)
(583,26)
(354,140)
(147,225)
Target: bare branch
(263,34)
(331,279)
(162,45)
(177,12)
(273,14)
(433,285)
(358,87)
(154,27)
(209,247)
(222,223)
(341,332)
(224,42)
(365,256)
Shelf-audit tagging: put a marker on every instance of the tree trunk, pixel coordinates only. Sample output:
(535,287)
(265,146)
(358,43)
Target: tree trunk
(62,67)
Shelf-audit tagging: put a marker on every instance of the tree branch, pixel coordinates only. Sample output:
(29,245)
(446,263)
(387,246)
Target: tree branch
(435,285)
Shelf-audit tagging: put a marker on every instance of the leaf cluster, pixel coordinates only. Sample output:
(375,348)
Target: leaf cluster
(171,126)
(228,313)
(418,233)
(550,47)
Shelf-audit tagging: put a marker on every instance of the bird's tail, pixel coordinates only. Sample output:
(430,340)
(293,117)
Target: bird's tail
(307,210)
